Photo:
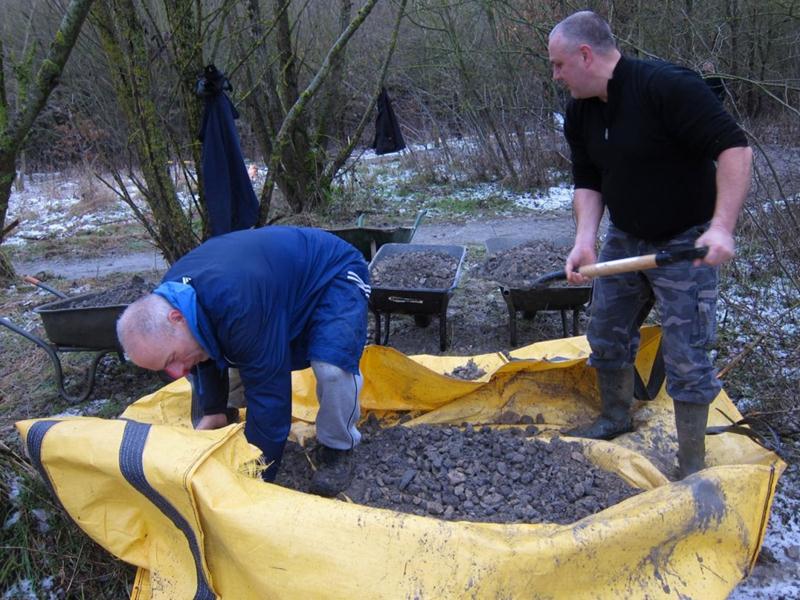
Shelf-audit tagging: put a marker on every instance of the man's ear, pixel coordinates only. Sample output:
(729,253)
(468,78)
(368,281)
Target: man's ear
(586,54)
(175,316)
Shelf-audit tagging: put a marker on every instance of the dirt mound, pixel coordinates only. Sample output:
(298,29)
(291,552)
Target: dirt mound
(118,295)
(475,474)
(415,270)
(520,266)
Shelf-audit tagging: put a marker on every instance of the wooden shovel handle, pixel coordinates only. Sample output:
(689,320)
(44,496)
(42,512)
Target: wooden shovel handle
(633,263)
(32,280)
(641,263)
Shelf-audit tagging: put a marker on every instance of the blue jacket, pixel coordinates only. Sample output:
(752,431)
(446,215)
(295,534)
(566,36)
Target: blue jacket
(254,292)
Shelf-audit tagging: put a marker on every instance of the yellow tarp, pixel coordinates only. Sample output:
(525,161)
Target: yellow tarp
(178,504)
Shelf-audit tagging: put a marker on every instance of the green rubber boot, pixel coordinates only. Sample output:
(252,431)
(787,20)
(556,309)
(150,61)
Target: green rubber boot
(616,398)
(690,421)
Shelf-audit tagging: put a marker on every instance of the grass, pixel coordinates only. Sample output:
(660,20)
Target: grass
(105,240)
(471,205)
(44,552)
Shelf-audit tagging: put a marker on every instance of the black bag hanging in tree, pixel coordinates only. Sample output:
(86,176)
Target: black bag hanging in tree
(388,137)
(230,200)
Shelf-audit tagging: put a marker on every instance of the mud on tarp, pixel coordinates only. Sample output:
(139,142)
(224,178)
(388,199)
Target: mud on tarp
(180,504)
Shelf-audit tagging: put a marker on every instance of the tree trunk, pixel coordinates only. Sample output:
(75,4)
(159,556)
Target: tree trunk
(294,163)
(7,174)
(185,32)
(14,129)
(295,175)
(126,51)
(333,101)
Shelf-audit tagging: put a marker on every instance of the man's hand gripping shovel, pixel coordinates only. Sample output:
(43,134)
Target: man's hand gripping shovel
(630,264)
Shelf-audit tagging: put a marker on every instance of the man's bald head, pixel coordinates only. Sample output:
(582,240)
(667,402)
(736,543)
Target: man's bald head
(145,319)
(586,27)
(583,55)
(155,335)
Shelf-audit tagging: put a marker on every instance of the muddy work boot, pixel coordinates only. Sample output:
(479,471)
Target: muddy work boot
(690,421)
(334,471)
(616,399)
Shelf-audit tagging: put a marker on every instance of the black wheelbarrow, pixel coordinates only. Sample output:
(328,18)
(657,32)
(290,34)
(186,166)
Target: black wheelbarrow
(531,300)
(368,240)
(420,302)
(72,325)
(538,296)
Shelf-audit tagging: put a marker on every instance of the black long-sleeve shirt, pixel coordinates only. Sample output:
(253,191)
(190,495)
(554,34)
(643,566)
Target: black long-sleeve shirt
(650,149)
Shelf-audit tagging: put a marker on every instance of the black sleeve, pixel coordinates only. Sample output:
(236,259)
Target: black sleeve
(692,114)
(584,173)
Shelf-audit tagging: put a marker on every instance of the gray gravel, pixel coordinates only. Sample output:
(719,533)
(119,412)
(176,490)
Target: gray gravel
(475,474)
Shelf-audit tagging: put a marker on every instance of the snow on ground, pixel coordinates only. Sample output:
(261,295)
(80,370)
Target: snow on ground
(777,573)
(51,207)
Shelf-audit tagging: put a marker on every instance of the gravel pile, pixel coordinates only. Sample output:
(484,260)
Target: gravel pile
(121,294)
(415,270)
(468,371)
(520,266)
(473,474)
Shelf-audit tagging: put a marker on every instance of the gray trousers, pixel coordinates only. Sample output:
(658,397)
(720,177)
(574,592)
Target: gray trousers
(339,408)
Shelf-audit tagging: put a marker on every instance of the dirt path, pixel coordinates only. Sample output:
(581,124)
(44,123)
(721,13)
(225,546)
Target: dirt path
(496,234)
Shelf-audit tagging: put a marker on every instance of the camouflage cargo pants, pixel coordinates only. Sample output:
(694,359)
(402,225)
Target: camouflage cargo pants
(686,298)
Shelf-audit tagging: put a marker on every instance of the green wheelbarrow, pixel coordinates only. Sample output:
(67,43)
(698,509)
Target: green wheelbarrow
(368,240)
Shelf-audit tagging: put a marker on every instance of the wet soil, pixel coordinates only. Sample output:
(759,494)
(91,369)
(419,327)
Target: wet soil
(519,267)
(424,269)
(467,473)
(122,294)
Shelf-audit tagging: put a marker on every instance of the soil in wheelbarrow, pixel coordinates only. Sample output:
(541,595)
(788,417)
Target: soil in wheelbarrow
(472,473)
(122,294)
(520,266)
(424,269)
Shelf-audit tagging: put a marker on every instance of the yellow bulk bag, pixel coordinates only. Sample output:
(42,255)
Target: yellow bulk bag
(180,505)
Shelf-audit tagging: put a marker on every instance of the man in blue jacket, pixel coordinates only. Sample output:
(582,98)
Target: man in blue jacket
(650,142)
(266,302)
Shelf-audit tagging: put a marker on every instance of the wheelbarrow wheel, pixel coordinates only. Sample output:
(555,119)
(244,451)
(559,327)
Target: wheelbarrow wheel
(422,320)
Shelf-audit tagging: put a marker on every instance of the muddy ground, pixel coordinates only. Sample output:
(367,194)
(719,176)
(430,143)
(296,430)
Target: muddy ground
(121,294)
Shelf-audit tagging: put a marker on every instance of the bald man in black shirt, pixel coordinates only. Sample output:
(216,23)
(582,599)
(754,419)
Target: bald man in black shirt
(651,143)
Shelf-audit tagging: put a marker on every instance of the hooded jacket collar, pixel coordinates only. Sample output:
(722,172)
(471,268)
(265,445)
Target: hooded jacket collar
(183,297)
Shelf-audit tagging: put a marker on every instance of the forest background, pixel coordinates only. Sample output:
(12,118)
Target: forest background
(104,90)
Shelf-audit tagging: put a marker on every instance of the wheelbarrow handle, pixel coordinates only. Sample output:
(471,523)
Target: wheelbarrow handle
(44,286)
(633,263)
(420,214)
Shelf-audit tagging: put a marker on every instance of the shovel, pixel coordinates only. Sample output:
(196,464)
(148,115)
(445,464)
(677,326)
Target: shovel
(632,263)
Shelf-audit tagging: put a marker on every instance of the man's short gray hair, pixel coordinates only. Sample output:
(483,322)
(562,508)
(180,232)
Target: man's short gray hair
(146,318)
(586,27)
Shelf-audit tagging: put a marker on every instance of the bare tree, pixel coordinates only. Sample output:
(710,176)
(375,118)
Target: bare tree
(126,48)
(293,96)
(15,125)
(297,134)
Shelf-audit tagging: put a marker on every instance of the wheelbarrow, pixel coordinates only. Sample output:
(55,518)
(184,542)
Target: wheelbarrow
(73,329)
(421,303)
(368,240)
(539,297)
(534,299)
